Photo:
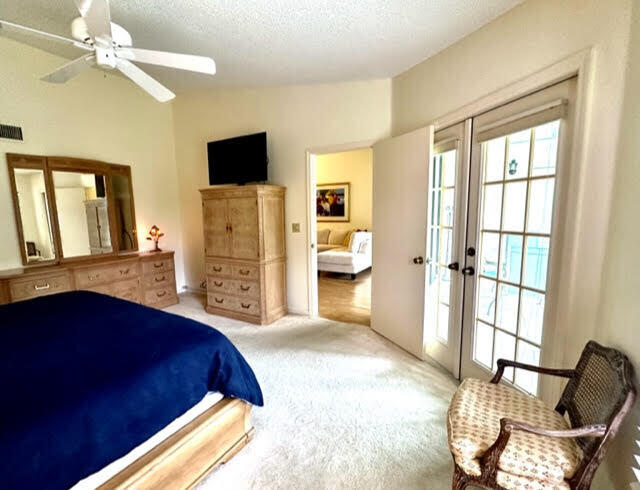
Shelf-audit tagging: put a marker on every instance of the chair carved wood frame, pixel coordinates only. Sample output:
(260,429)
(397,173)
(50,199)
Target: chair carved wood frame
(599,394)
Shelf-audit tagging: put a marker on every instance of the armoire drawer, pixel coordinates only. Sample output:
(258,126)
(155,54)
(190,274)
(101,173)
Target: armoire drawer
(39,286)
(245,271)
(219,269)
(247,306)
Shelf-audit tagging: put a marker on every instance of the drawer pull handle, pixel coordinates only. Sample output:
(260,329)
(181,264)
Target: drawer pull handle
(41,288)
(244,273)
(217,269)
(244,288)
(157,265)
(125,271)
(93,278)
(218,284)
(219,301)
(160,294)
(159,279)
(246,306)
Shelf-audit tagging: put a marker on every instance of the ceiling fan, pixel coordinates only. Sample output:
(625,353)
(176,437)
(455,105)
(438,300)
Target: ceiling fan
(109,46)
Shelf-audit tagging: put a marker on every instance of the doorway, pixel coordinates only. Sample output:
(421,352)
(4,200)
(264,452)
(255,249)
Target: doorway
(340,191)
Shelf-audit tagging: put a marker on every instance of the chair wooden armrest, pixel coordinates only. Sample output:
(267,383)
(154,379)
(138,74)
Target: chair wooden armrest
(492,456)
(503,363)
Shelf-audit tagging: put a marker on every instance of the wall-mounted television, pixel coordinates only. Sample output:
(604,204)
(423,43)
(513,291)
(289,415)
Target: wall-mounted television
(238,160)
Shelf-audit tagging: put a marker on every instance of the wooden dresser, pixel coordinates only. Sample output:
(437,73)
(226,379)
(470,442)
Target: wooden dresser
(244,239)
(144,277)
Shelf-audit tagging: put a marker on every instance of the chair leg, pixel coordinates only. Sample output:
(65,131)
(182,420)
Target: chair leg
(459,479)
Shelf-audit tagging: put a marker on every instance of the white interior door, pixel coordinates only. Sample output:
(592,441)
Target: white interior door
(519,155)
(400,202)
(448,192)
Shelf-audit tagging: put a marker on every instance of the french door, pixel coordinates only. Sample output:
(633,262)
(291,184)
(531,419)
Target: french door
(515,187)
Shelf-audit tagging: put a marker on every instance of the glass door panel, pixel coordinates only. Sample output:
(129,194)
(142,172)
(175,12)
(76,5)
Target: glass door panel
(445,245)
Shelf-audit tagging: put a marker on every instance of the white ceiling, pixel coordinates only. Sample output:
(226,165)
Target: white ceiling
(272,42)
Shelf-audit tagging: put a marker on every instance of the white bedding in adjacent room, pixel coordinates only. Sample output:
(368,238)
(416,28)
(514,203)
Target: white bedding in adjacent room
(96,479)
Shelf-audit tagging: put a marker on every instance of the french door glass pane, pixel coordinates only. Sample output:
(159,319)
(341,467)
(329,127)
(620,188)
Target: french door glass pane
(494,167)
(511,258)
(442,194)
(518,156)
(517,198)
(489,257)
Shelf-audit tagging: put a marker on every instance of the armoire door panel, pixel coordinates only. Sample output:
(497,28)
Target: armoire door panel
(216,227)
(243,219)
(273,218)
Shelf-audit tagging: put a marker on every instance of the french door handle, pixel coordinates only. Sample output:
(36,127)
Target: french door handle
(468,271)
(454,266)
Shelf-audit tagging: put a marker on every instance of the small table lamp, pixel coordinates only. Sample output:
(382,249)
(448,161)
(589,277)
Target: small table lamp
(154,234)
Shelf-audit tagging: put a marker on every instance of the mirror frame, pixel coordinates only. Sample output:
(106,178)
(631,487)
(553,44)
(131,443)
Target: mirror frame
(49,164)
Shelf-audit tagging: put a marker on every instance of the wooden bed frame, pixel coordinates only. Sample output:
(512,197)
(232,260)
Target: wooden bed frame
(187,456)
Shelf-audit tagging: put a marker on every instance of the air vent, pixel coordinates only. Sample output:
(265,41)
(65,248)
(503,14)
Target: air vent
(10,132)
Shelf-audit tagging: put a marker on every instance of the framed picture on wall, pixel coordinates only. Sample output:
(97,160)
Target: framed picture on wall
(332,202)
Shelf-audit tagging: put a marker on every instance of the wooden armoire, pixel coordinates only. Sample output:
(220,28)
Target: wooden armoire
(244,240)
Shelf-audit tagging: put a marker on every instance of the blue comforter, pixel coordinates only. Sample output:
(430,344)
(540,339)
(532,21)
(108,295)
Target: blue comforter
(85,378)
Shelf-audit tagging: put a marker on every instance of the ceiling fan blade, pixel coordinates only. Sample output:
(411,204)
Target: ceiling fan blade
(97,15)
(148,84)
(189,62)
(68,71)
(10,26)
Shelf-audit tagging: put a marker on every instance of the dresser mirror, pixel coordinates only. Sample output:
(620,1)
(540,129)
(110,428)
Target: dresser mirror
(83,215)
(34,215)
(67,208)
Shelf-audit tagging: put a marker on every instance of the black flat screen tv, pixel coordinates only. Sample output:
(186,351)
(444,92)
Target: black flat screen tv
(238,160)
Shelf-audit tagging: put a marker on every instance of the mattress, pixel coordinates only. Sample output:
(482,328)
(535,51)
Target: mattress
(111,470)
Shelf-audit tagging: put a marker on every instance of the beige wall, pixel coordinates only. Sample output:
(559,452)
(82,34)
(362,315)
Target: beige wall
(619,317)
(93,116)
(523,41)
(356,168)
(296,118)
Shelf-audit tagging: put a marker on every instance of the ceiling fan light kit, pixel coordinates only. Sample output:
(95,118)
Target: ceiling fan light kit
(111,48)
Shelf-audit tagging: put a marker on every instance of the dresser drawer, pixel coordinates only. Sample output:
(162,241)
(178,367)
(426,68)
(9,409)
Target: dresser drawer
(104,289)
(218,269)
(155,266)
(129,290)
(38,286)
(245,271)
(159,279)
(159,295)
(89,277)
(247,306)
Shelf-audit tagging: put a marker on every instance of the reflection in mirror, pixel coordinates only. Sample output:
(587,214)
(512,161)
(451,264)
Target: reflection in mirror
(34,215)
(123,204)
(83,215)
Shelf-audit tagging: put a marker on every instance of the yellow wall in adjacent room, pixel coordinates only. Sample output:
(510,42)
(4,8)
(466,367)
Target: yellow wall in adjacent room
(94,116)
(356,168)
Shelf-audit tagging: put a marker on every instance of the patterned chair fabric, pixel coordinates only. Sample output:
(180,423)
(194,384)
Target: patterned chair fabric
(529,461)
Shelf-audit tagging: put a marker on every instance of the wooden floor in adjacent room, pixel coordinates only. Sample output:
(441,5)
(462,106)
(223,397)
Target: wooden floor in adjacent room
(345,300)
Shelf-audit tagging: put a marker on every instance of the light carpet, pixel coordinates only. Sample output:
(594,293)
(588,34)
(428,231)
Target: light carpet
(344,408)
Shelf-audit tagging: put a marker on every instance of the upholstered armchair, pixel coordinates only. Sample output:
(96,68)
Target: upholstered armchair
(501,438)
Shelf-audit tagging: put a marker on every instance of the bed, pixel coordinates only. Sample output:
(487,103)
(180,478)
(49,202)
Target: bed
(88,379)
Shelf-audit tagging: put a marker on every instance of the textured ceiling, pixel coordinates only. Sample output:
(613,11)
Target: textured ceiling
(272,42)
